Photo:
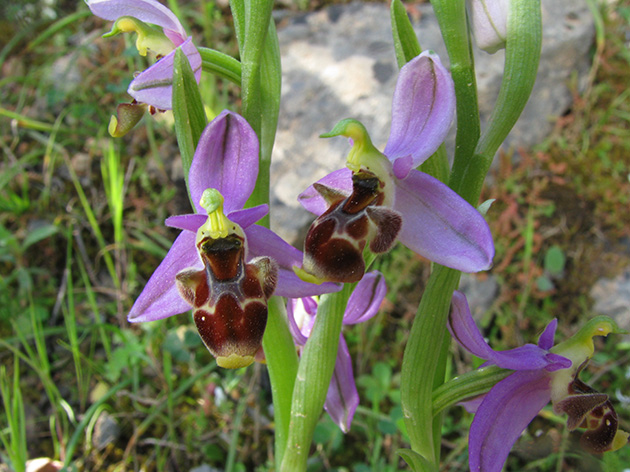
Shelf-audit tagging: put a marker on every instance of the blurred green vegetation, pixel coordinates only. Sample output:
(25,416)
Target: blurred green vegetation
(81,230)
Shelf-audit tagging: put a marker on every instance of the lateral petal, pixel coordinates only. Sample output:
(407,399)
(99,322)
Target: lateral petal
(314,202)
(440,225)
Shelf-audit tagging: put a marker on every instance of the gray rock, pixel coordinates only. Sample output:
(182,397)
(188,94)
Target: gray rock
(205,468)
(339,63)
(480,292)
(611,297)
(106,430)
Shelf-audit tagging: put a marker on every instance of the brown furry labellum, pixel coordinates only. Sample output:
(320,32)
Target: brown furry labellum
(229,299)
(333,249)
(589,409)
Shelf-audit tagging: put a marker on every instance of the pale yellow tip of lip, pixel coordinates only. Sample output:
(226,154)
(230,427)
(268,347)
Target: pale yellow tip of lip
(307,276)
(620,440)
(234,361)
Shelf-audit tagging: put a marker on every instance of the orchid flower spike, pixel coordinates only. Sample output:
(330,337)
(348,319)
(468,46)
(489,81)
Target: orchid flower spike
(223,265)
(489,23)
(342,398)
(380,198)
(542,373)
(153,86)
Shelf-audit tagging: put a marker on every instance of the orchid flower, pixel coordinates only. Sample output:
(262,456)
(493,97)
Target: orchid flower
(489,23)
(342,398)
(380,197)
(219,243)
(543,373)
(153,86)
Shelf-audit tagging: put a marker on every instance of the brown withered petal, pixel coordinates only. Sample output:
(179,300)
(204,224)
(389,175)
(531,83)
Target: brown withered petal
(127,116)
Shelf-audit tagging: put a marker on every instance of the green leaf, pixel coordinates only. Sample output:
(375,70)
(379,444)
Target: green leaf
(416,461)
(406,42)
(190,117)
(555,260)
(39,234)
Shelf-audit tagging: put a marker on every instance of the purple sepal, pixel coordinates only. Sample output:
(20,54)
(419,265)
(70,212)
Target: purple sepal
(503,415)
(422,112)
(440,225)
(226,158)
(366,298)
(160,297)
(301,311)
(528,357)
(148,11)
(342,398)
(154,85)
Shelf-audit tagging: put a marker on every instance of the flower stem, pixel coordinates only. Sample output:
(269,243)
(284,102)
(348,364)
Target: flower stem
(282,364)
(466,386)
(313,377)
(422,358)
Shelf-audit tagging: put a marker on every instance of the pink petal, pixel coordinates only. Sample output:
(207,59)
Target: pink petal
(191,222)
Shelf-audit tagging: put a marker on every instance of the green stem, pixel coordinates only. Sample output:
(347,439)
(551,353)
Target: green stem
(282,364)
(313,377)
(220,64)
(466,386)
(451,16)
(425,354)
(420,361)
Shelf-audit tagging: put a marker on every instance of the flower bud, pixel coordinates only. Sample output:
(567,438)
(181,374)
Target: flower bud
(489,23)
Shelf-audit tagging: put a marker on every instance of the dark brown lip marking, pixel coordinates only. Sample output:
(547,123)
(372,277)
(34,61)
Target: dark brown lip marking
(589,409)
(334,244)
(229,298)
